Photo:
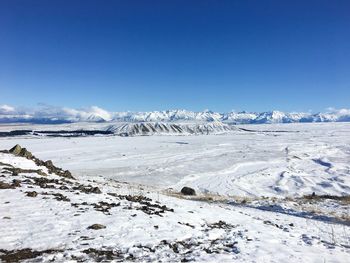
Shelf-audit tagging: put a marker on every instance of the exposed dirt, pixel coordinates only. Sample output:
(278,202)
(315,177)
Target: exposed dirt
(17,171)
(22,254)
(344,199)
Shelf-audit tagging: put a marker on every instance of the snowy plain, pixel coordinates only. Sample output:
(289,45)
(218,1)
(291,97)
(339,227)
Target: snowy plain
(280,160)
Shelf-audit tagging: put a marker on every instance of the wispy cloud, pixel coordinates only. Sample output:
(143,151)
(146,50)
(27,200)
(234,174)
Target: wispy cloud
(92,113)
(6,110)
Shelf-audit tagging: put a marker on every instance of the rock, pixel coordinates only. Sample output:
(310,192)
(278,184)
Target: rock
(26,154)
(4,185)
(49,163)
(188,191)
(23,254)
(16,149)
(16,183)
(96,227)
(19,151)
(88,189)
(32,194)
(67,174)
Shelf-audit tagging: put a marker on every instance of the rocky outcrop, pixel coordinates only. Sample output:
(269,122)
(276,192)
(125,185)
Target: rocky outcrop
(23,152)
(19,151)
(188,191)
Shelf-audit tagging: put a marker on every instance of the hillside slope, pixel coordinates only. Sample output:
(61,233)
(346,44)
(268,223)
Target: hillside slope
(52,217)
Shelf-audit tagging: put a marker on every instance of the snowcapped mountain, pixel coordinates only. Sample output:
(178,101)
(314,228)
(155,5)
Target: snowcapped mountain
(48,114)
(169,115)
(282,117)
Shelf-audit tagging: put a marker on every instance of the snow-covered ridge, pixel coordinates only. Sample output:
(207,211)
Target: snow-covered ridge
(49,114)
(150,128)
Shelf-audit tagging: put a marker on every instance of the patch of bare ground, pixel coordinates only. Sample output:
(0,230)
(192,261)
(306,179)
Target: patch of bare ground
(15,171)
(103,255)
(23,254)
(209,197)
(343,199)
(308,206)
(313,203)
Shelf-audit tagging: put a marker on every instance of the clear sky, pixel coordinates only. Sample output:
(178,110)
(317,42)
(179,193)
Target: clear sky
(154,55)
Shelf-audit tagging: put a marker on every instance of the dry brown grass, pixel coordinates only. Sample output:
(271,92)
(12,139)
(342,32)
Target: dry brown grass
(343,199)
(209,197)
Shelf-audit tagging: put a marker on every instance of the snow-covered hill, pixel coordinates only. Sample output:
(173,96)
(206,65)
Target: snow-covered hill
(168,128)
(48,114)
(51,215)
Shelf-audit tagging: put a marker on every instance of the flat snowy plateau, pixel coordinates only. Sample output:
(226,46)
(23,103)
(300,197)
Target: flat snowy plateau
(265,193)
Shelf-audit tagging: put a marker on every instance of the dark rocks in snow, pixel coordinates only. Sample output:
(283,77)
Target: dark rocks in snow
(101,206)
(221,225)
(146,204)
(104,207)
(53,169)
(186,224)
(23,254)
(4,185)
(105,255)
(88,189)
(19,151)
(188,191)
(15,183)
(23,152)
(16,149)
(43,182)
(32,194)
(17,171)
(96,226)
(61,197)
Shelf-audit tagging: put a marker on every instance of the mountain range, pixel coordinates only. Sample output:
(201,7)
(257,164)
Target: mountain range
(52,115)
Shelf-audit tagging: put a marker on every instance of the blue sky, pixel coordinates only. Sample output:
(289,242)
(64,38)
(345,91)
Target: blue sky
(155,55)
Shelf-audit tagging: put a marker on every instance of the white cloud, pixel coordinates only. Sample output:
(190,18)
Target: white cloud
(335,111)
(93,113)
(6,109)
